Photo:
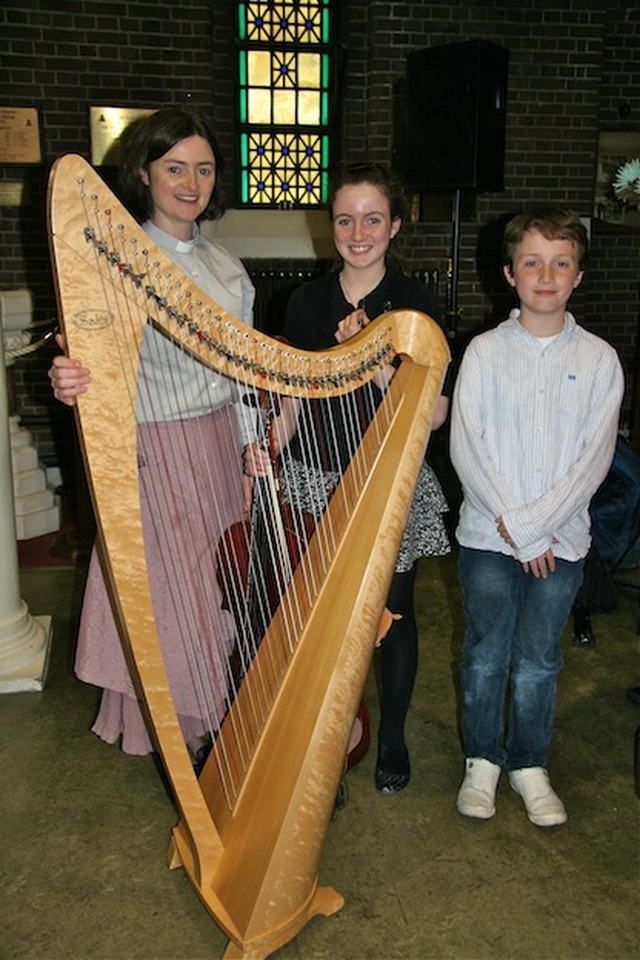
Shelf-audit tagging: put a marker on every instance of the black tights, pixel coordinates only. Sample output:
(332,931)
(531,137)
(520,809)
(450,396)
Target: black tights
(399,665)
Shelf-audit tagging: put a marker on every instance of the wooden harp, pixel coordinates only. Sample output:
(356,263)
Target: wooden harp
(252,826)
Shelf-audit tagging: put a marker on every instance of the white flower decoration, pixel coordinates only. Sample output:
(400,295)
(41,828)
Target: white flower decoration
(626,185)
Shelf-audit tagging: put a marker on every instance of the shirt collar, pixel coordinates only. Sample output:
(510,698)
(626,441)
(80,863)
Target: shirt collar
(169,242)
(514,316)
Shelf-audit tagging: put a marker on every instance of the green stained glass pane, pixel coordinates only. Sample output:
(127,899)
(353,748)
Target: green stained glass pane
(242,21)
(324,189)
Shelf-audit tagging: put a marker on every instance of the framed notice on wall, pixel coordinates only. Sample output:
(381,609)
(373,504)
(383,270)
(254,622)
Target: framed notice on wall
(107,123)
(20,135)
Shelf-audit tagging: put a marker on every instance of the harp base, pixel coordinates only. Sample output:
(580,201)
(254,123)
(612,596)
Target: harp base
(323,901)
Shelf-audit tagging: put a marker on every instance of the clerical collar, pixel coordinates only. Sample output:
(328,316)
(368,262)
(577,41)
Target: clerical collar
(168,241)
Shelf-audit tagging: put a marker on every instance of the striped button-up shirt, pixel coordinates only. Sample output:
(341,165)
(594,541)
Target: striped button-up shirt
(533,432)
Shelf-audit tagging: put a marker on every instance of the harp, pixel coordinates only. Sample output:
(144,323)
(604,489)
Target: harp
(251,827)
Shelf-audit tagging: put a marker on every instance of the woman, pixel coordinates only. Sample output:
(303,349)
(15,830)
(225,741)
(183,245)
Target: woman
(169,181)
(366,206)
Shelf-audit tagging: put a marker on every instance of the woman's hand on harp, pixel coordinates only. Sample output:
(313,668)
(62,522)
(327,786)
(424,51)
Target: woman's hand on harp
(256,462)
(68,377)
(353,323)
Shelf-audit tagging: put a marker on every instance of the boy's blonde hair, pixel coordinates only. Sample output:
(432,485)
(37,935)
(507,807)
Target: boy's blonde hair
(554,223)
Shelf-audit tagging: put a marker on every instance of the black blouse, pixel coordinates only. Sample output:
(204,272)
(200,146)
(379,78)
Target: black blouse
(315,309)
(311,319)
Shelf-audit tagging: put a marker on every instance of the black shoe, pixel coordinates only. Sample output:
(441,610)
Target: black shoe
(199,754)
(583,635)
(388,783)
(393,772)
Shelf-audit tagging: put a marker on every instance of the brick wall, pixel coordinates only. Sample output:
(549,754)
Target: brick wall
(574,69)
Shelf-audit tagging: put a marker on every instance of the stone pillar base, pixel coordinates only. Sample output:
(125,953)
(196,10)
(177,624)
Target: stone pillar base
(31,674)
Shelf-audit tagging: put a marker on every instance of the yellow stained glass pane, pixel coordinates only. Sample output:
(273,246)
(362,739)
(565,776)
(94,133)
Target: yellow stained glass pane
(259,106)
(284,106)
(309,70)
(265,158)
(309,20)
(259,195)
(258,21)
(309,107)
(284,70)
(308,163)
(259,68)
(283,22)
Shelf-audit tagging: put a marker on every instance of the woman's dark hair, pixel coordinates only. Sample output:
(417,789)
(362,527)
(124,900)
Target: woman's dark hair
(349,174)
(148,139)
(554,223)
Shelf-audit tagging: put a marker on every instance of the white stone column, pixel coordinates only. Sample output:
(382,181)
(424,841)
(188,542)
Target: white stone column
(24,640)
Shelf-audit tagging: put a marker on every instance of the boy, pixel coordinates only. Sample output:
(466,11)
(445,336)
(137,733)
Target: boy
(533,431)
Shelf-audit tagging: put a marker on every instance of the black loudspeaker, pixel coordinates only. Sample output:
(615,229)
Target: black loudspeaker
(455,116)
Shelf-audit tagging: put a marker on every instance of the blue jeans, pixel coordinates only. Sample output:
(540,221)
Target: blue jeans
(513,627)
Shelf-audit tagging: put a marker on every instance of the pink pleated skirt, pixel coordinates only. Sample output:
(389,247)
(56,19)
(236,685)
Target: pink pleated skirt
(191,492)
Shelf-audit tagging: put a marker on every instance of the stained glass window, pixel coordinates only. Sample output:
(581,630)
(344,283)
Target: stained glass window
(284,108)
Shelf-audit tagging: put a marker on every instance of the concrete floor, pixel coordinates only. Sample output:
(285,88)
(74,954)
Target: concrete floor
(84,829)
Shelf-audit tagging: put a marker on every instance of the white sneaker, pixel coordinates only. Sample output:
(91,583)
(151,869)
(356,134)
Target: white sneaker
(476,796)
(544,806)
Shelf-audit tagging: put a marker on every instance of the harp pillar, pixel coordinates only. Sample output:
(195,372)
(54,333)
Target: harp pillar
(24,640)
